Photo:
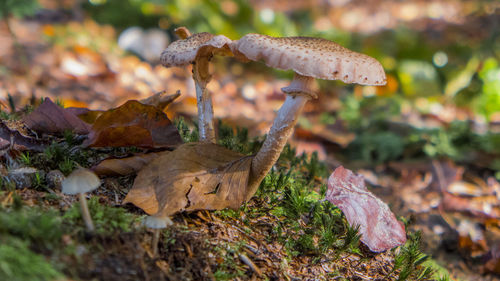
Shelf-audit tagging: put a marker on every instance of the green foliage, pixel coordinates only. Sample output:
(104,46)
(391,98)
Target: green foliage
(410,261)
(306,225)
(106,219)
(187,134)
(6,184)
(19,263)
(489,101)
(376,147)
(236,139)
(17,8)
(63,156)
(42,228)
(228,269)
(25,158)
(66,166)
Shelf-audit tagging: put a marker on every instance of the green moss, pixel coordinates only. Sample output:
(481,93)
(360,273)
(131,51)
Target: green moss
(42,227)
(19,263)
(410,261)
(106,219)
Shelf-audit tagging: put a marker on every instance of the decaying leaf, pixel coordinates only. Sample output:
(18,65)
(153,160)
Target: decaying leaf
(51,118)
(87,115)
(195,176)
(379,228)
(133,124)
(481,207)
(161,100)
(125,166)
(15,140)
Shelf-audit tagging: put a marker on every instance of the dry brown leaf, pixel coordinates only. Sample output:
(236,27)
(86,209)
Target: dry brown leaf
(15,140)
(87,115)
(125,166)
(51,118)
(161,100)
(482,207)
(195,176)
(133,124)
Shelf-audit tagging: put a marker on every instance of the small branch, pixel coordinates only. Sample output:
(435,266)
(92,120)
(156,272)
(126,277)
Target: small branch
(250,264)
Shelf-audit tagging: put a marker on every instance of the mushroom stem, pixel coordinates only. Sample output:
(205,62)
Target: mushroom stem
(277,137)
(85,212)
(204,101)
(154,243)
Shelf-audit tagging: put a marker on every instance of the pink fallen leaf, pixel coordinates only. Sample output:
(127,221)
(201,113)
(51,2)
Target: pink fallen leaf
(379,228)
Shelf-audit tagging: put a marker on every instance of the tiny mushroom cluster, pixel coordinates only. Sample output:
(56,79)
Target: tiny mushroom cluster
(308,57)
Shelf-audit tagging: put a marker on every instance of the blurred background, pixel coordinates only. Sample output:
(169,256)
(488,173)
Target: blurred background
(428,142)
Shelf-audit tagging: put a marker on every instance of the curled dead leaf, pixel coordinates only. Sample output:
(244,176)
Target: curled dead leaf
(87,115)
(161,100)
(195,176)
(13,139)
(133,124)
(125,166)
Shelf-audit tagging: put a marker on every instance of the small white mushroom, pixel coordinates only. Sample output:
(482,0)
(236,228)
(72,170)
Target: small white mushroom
(156,223)
(309,58)
(80,182)
(198,49)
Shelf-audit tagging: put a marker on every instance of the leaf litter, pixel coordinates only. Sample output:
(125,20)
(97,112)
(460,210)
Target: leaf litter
(195,176)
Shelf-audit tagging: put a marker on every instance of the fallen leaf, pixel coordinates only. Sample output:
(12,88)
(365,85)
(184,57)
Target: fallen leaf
(482,207)
(195,176)
(125,166)
(51,118)
(379,228)
(492,264)
(87,115)
(161,100)
(133,124)
(14,139)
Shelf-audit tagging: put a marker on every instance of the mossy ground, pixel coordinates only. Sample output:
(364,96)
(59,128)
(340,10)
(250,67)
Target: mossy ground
(286,231)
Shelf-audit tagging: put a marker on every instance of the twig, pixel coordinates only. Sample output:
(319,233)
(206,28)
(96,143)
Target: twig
(250,264)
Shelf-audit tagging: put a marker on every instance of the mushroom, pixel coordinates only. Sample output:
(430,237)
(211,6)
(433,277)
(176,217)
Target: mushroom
(198,49)
(182,32)
(309,58)
(156,223)
(80,182)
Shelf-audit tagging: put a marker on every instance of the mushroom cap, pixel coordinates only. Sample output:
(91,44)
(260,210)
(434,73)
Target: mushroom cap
(157,222)
(184,52)
(80,181)
(312,57)
(182,32)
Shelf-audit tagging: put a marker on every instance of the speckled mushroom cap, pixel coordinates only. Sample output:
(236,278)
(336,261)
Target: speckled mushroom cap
(312,57)
(80,181)
(184,52)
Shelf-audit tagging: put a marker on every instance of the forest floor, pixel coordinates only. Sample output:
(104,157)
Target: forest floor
(284,232)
